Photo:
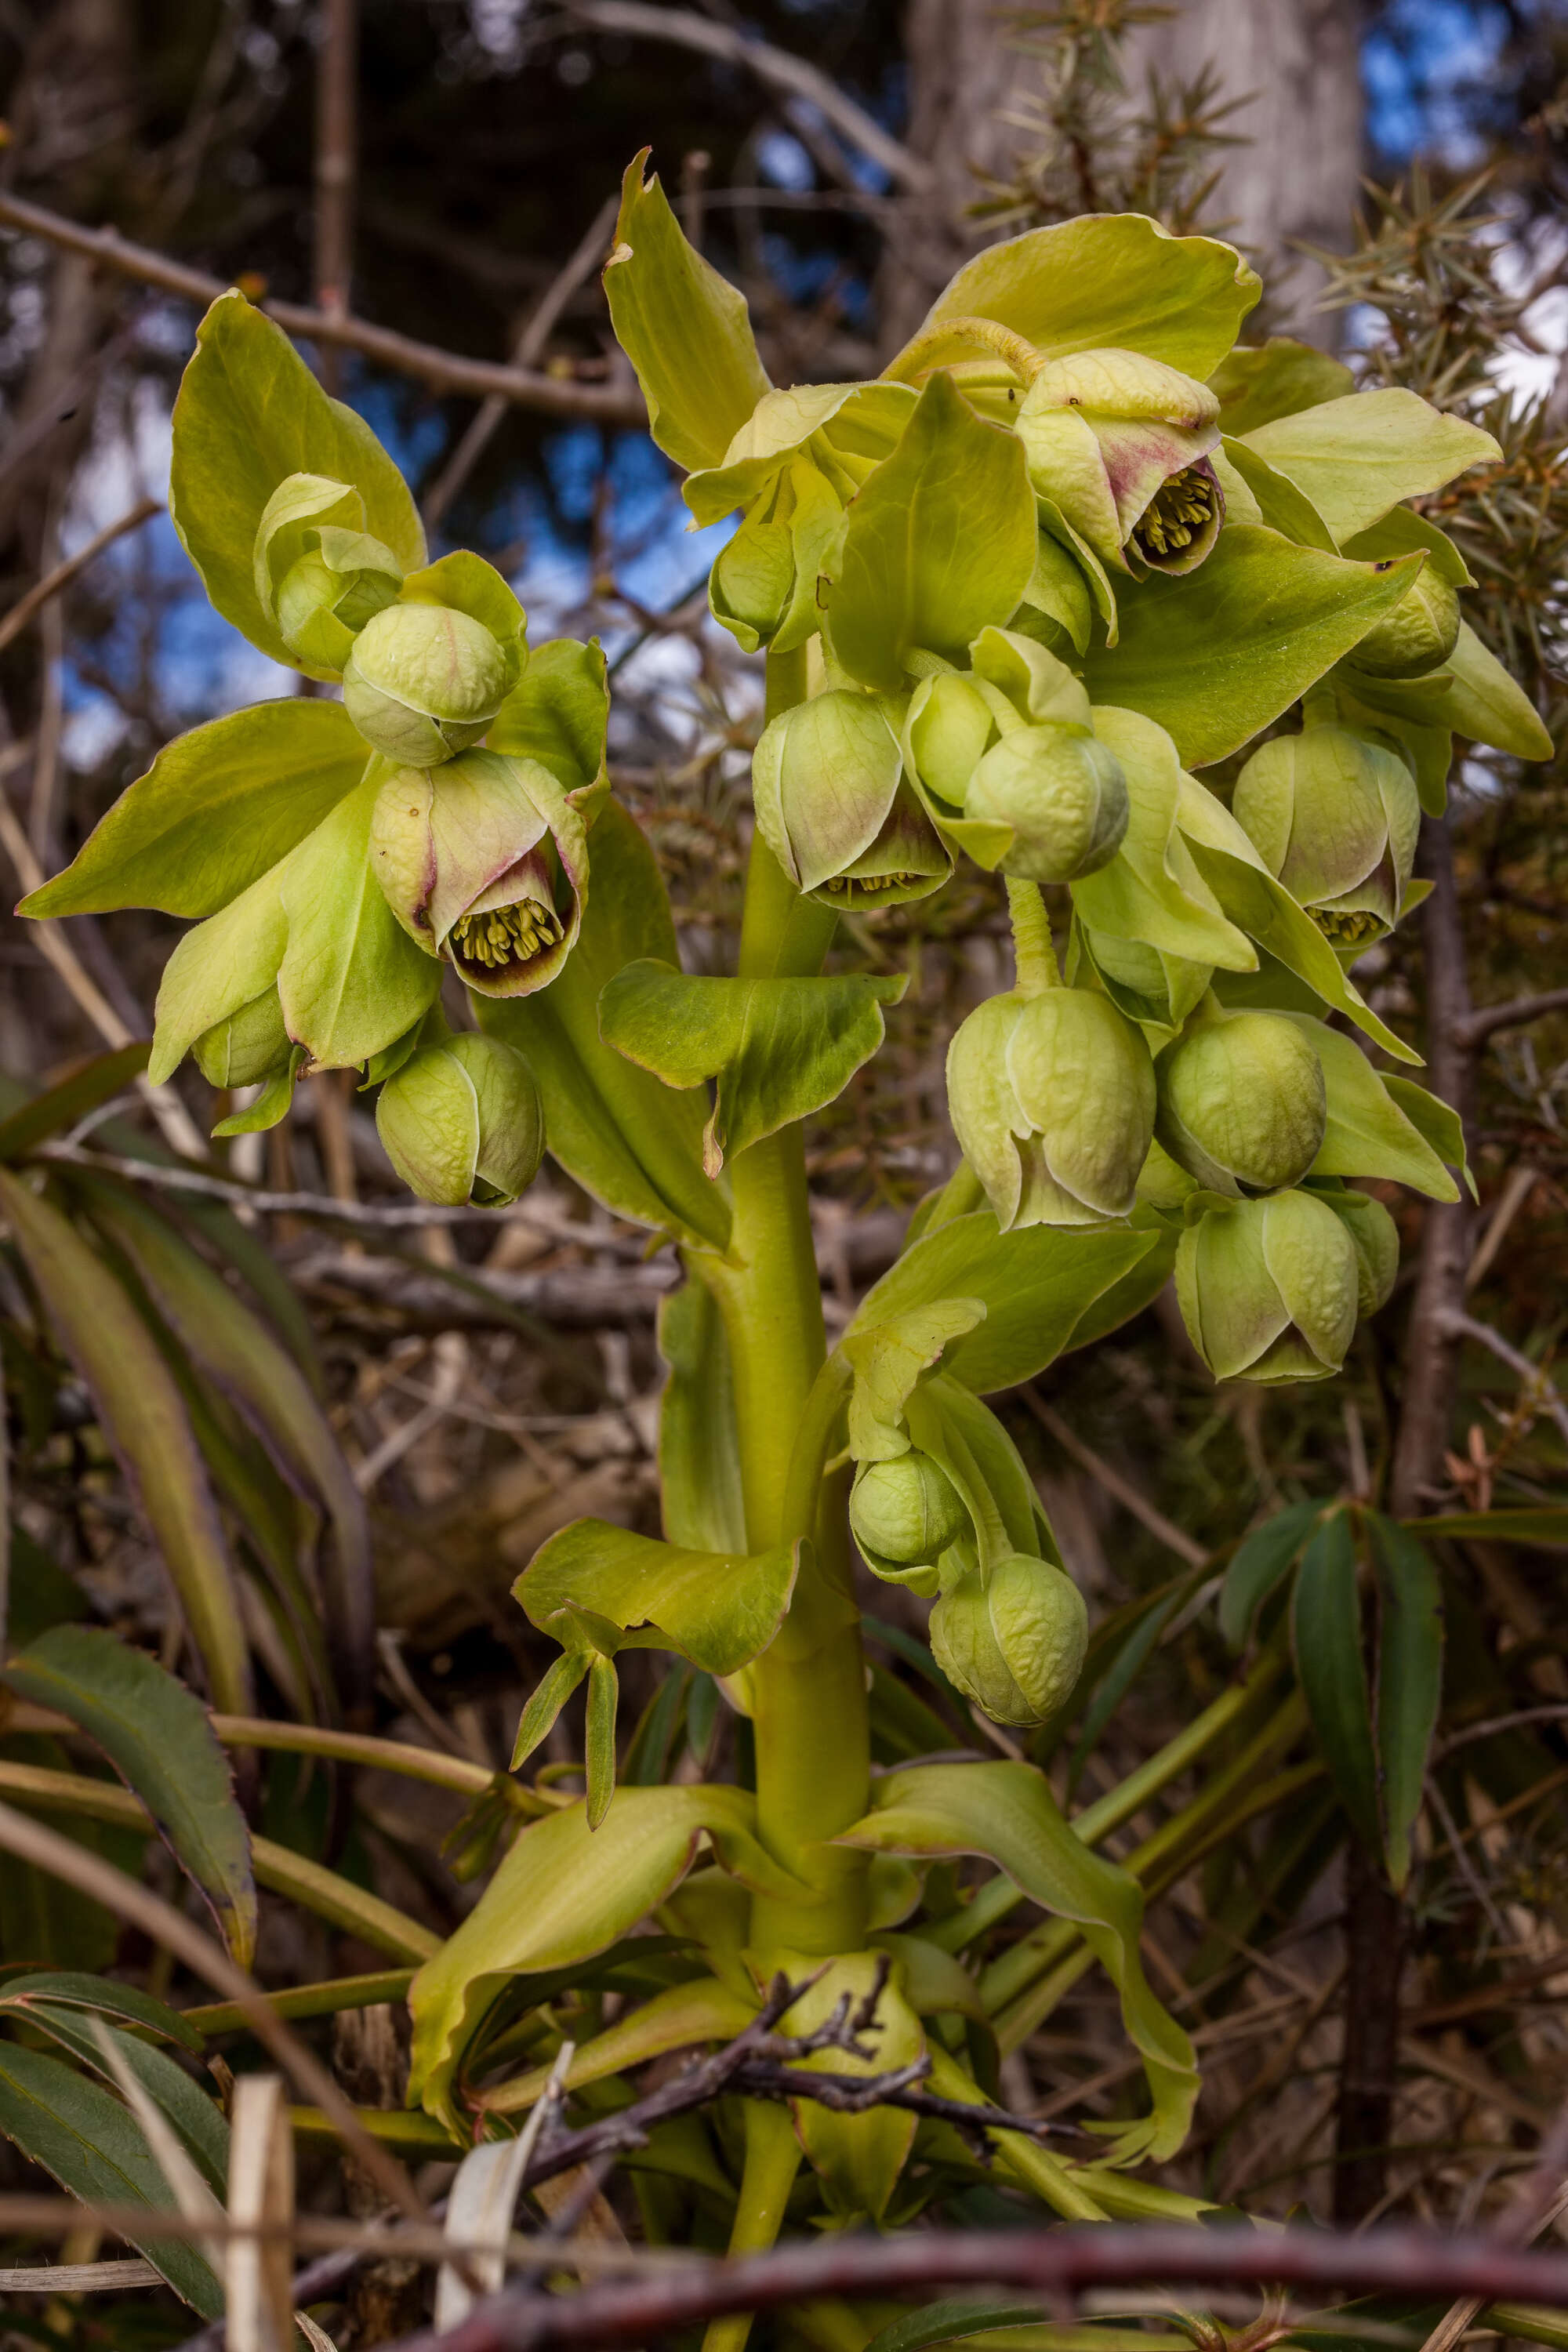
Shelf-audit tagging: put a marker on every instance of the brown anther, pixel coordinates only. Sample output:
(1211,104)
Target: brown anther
(1179,510)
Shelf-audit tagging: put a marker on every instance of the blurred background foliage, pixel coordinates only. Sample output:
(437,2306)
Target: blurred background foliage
(466,1387)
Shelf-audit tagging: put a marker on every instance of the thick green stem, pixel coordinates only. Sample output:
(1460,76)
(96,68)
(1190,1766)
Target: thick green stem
(808,1689)
(1034,951)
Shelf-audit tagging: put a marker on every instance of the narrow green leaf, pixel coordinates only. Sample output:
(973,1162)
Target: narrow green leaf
(684,329)
(599,1738)
(86,2139)
(264,1382)
(627,1139)
(717,1610)
(142,1416)
(539,1717)
(1261,1561)
(699,1445)
(1007,1813)
(157,1737)
(1036,1285)
(1108,280)
(248,414)
(951,2320)
(1488,705)
(1546,1526)
(217,807)
(780,1049)
(97,1082)
(75,1989)
(195,2115)
(1409,1678)
(940,542)
(1218,653)
(1356,457)
(1330,1665)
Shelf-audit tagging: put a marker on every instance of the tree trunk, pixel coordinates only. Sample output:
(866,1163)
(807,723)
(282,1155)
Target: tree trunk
(1296,61)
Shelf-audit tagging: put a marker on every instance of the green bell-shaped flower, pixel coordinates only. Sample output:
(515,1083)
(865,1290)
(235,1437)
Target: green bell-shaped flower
(246,1047)
(319,572)
(483,859)
(1243,1105)
(1418,636)
(1374,1237)
(1052,1100)
(461,1122)
(1335,813)
(905,1513)
(1268,1288)
(424,678)
(1014,1641)
(835,808)
(1063,793)
(1119,444)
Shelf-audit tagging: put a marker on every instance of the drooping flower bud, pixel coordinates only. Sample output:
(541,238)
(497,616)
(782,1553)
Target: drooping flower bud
(1052,1100)
(833,807)
(949,725)
(906,1512)
(461,1122)
(424,680)
(1242,1101)
(318,571)
(1418,636)
(1335,813)
(1374,1237)
(1119,444)
(1014,1641)
(1063,793)
(1268,1288)
(246,1047)
(483,860)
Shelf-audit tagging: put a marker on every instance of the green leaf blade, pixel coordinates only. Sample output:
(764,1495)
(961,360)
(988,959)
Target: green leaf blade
(1326,1624)
(1409,1679)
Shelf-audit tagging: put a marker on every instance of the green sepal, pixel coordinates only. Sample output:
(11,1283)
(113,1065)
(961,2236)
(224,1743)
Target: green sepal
(249,413)
(1368,1131)
(1257,383)
(779,1049)
(1220,652)
(215,809)
(1255,493)
(538,1719)
(557,715)
(717,1609)
(1488,705)
(684,329)
(271,1105)
(1059,594)
(617,1131)
(1357,456)
(1402,532)
(1007,1813)
(855,421)
(563,1893)
(1106,281)
(940,542)
(889,1360)
(351,979)
(1151,892)
(1437,1122)
(965,1437)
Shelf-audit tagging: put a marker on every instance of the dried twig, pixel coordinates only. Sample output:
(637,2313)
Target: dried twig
(23,609)
(1487,1019)
(1124,1492)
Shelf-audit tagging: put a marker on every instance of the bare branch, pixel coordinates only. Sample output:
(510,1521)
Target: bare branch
(1164,1531)
(1487,1019)
(1537,1384)
(22,612)
(607,403)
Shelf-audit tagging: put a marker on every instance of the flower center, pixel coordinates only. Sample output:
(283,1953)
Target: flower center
(507,935)
(840,883)
(1346,926)
(1179,510)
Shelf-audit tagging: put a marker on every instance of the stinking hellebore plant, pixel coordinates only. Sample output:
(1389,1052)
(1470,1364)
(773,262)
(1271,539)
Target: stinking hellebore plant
(1012,595)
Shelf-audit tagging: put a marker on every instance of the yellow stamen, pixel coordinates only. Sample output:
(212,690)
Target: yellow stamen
(507,935)
(1346,926)
(1181,508)
(839,884)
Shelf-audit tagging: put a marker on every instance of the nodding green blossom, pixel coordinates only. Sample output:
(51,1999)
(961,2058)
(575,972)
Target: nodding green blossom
(835,807)
(1120,446)
(1418,636)
(483,860)
(423,681)
(461,1122)
(1268,1289)
(247,1046)
(1374,1237)
(1052,1100)
(905,1513)
(1333,812)
(1014,1640)
(1242,1105)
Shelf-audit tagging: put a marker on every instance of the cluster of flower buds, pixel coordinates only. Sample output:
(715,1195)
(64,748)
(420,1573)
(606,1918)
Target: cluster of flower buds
(1333,812)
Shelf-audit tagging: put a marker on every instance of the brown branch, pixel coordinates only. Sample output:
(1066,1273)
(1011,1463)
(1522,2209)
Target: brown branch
(443,371)
(1053,2264)
(336,64)
(1487,1019)
(1131,1497)
(22,612)
(775,68)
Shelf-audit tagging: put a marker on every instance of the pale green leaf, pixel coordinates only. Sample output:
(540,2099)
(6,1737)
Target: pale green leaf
(1152,891)
(1106,281)
(351,979)
(249,413)
(216,809)
(888,1359)
(1257,383)
(940,542)
(779,1049)
(1219,653)
(157,1737)
(698,1447)
(626,1138)
(720,1609)
(1368,1133)
(1254,492)
(1007,1813)
(557,714)
(783,423)
(683,328)
(1489,705)
(1401,532)
(1356,457)
(1437,1122)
